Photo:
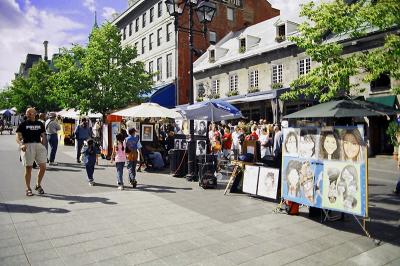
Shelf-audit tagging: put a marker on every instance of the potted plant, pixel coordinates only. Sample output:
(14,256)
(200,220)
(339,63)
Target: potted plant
(242,49)
(253,89)
(276,85)
(199,99)
(393,132)
(280,38)
(232,93)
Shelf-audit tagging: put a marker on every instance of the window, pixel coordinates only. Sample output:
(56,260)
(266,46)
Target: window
(304,66)
(159,68)
(124,34)
(281,30)
(242,45)
(143,45)
(137,25)
(169,65)
(382,83)
(130,29)
(215,87)
(160,8)
(211,56)
(253,78)
(151,69)
(200,90)
(212,37)
(151,41)
(136,46)
(169,32)
(277,74)
(159,36)
(233,82)
(144,20)
(229,13)
(151,15)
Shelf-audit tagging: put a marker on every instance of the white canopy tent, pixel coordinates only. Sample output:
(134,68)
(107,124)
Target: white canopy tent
(75,114)
(148,110)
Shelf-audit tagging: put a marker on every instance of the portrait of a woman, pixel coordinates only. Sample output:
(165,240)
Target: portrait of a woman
(352,145)
(329,145)
(293,169)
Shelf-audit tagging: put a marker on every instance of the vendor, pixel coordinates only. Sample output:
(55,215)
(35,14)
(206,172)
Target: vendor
(154,155)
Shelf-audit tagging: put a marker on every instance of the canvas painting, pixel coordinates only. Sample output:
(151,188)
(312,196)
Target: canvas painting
(147,132)
(200,127)
(290,144)
(250,179)
(329,144)
(184,144)
(115,128)
(268,179)
(344,187)
(182,127)
(352,144)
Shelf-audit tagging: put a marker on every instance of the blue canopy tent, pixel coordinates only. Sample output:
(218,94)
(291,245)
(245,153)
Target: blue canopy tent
(212,110)
(164,95)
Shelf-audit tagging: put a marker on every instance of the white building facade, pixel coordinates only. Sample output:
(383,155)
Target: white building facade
(147,26)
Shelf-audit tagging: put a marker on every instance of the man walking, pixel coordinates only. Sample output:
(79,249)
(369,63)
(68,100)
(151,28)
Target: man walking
(52,127)
(31,140)
(82,133)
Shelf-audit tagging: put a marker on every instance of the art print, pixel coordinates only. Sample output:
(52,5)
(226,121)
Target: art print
(182,127)
(268,182)
(309,143)
(184,144)
(344,187)
(201,147)
(147,132)
(291,142)
(352,145)
(250,179)
(298,180)
(329,144)
(177,144)
(115,129)
(200,127)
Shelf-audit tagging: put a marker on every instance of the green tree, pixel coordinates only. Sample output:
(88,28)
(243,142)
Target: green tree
(102,76)
(36,90)
(353,19)
(5,98)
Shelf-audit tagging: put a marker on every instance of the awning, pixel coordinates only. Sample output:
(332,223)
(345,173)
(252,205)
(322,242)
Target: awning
(385,100)
(251,97)
(164,95)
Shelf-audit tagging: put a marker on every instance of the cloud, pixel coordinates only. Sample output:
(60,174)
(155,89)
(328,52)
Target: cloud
(24,30)
(289,8)
(108,13)
(90,4)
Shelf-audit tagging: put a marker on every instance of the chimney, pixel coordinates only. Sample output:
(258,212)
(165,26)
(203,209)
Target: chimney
(45,43)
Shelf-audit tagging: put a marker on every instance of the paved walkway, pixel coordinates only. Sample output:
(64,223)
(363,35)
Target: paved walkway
(169,221)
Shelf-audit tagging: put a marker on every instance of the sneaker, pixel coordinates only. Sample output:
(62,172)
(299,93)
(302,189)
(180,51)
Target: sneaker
(91,183)
(134,183)
(120,187)
(53,163)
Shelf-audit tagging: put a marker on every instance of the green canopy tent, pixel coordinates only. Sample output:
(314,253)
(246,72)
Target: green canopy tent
(344,108)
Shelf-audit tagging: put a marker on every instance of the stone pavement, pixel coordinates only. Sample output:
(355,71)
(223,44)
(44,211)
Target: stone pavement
(168,221)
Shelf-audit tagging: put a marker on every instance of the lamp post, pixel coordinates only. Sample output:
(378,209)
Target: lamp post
(205,13)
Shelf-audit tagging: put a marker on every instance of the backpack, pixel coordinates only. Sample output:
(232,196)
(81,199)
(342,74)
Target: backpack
(292,208)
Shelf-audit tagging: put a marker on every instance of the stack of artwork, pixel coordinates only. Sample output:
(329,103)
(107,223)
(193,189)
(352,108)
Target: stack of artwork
(326,168)
(261,181)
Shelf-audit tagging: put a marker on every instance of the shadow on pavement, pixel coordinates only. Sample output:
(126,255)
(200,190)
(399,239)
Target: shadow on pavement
(159,189)
(55,169)
(79,199)
(78,165)
(21,208)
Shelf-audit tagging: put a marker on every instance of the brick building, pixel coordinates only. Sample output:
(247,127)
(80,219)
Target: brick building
(171,54)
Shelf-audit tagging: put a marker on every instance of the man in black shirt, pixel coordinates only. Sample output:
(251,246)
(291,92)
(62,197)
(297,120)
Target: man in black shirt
(31,137)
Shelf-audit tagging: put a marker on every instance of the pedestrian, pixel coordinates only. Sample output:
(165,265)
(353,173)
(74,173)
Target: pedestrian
(42,119)
(236,146)
(397,189)
(132,148)
(31,140)
(277,148)
(89,153)
(82,133)
(119,157)
(227,143)
(52,127)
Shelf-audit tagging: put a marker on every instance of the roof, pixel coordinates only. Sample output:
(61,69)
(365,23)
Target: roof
(264,31)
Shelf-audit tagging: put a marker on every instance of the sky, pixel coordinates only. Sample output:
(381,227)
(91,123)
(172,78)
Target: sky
(26,24)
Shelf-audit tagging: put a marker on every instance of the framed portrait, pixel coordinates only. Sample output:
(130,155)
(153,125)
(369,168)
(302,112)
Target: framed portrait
(250,179)
(201,147)
(268,182)
(200,127)
(115,128)
(147,132)
(178,126)
(177,144)
(184,144)
(290,144)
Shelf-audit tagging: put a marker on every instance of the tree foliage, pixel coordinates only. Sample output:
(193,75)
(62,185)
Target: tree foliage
(340,19)
(36,90)
(102,76)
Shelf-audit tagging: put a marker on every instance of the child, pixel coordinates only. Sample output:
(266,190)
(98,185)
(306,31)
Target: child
(119,156)
(89,153)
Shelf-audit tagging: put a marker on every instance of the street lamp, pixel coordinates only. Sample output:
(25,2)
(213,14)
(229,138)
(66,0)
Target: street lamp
(205,12)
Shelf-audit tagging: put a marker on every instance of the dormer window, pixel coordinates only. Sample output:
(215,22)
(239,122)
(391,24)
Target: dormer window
(211,56)
(280,33)
(242,45)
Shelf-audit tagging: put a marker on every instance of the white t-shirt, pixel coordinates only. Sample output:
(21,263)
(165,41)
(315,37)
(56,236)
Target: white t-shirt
(263,149)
